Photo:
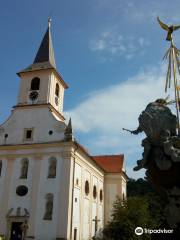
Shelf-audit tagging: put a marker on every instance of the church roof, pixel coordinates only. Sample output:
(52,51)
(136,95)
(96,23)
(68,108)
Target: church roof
(110,163)
(46,51)
(44,58)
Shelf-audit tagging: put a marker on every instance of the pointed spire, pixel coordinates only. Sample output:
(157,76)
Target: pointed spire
(68,131)
(46,51)
(45,56)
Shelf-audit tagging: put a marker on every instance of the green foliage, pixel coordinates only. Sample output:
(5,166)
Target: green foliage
(126,217)
(139,187)
(143,208)
(142,188)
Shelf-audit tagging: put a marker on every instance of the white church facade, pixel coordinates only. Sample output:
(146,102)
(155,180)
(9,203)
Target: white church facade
(51,188)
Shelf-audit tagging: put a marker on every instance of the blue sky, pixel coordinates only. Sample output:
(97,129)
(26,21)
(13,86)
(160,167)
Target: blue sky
(108,51)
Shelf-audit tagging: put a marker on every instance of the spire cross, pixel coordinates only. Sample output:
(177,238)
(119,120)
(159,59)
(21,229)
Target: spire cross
(49,22)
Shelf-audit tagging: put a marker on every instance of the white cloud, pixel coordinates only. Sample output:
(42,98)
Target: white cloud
(113,43)
(119,105)
(103,114)
(98,45)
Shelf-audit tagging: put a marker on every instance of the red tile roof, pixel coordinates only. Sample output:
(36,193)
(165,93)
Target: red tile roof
(110,163)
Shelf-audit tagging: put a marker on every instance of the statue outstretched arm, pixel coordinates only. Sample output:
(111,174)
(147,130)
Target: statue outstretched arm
(137,131)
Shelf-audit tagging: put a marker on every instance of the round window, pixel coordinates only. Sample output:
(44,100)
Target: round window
(94,192)
(87,187)
(21,190)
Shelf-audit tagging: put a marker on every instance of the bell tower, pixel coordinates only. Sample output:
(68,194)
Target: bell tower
(41,84)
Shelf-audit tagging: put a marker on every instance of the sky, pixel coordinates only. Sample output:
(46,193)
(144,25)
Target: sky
(110,54)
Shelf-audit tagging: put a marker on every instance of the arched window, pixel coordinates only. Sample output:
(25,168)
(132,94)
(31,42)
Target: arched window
(94,192)
(101,195)
(0,168)
(57,90)
(24,168)
(35,83)
(48,206)
(86,187)
(52,167)
(123,197)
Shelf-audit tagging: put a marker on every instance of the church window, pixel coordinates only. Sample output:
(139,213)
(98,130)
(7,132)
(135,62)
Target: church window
(77,181)
(35,83)
(123,197)
(57,90)
(24,168)
(94,192)
(6,135)
(75,233)
(48,207)
(86,187)
(21,190)
(0,168)
(101,195)
(50,132)
(28,134)
(52,168)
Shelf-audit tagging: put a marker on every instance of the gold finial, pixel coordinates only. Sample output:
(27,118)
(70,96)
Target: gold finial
(169,29)
(172,55)
(49,22)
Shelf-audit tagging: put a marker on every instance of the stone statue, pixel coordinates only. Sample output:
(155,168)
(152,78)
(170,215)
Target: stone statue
(24,168)
(24,227)
(52,168)
(68,133)
(49,207)
(161,156)
(159,124)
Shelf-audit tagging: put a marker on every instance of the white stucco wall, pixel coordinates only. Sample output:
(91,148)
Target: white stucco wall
(16,201)
(111,191)
(89,208)
(48,185)
(3,180)
(46,91)
(39,119)
(39,185)
(115,186)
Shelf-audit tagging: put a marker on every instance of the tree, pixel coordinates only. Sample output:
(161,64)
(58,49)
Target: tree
(143,208)
(126,217)
(139,187)
(142,188)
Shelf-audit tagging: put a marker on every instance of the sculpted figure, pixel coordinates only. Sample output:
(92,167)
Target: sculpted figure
(52,168)
(159,124)
(48,207)
(24,168)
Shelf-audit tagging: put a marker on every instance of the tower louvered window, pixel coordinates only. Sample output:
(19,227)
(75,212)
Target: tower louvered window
(35,83)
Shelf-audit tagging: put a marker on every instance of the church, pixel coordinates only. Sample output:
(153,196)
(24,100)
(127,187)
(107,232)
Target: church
(51,187)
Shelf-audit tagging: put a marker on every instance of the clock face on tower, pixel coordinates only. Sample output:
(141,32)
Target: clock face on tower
(33,95)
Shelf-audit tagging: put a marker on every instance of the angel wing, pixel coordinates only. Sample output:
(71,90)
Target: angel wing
(163,25)
(176,27)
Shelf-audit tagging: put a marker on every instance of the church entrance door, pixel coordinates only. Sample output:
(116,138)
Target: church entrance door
(16,231)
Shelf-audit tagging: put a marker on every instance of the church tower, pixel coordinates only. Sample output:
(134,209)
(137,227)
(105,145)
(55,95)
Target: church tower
(41,84)
(50,186)
(39,111)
